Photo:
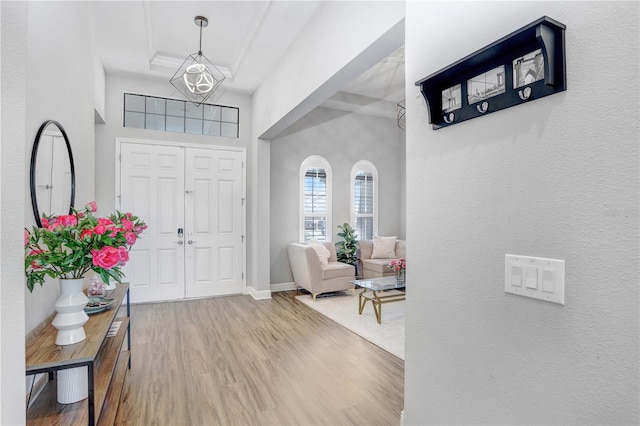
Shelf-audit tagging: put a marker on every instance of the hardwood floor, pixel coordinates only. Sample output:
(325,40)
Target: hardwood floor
(237,361)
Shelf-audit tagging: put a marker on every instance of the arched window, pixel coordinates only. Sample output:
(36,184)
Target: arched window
(364,199)
(315,199)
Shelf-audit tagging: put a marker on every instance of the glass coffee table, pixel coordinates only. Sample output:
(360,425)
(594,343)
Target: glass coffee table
(379,291)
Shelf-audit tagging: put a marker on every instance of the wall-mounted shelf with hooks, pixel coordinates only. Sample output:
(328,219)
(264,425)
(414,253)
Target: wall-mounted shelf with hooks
(525,65)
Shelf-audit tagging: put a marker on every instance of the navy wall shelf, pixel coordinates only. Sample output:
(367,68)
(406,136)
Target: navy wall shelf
(525,65)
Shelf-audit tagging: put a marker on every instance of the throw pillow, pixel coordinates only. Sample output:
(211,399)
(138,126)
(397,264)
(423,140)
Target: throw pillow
(384,248)
(323,252)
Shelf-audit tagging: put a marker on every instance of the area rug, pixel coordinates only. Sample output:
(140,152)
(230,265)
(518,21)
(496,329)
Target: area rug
(343,309)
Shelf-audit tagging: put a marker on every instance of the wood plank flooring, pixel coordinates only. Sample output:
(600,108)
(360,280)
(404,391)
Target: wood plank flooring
(237,361)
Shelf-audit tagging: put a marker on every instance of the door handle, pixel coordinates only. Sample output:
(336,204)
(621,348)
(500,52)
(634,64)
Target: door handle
(179,242)
(191,241)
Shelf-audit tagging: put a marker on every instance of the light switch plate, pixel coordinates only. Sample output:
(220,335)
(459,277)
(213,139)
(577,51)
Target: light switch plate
(539,278)
(516,276)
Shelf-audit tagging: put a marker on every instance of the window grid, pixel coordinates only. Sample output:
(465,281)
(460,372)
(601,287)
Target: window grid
(363,193)
(364,205)
(364,199)
(315,204)
(364,228)
(155,113)
(315,227)
(315,191)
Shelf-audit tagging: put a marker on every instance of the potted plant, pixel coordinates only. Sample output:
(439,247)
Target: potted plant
(67,247)
(347,250)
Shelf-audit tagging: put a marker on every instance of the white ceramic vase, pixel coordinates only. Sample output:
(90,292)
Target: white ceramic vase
(108,286)
(71,316)
(73,385)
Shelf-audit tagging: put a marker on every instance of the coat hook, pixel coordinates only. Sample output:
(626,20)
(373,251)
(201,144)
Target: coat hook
(448,118)
(525,93)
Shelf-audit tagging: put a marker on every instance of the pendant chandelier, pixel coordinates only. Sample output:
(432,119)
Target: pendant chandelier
(197,78)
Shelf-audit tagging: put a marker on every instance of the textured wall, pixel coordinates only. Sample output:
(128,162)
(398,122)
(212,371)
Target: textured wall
(333,49)
(341,40)
(13,17)
(557,177)
(342,139)
(107,133)
(57,31)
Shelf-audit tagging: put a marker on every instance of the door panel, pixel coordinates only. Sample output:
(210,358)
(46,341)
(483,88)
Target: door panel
(152,187)
(200,233)
(226,257)
(212,177)
(199,190)
(229,211)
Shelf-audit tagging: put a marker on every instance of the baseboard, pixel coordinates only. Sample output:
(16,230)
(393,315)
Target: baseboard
(283,287)
(259,294)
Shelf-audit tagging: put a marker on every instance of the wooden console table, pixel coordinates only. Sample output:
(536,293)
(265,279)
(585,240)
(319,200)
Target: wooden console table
(104,357)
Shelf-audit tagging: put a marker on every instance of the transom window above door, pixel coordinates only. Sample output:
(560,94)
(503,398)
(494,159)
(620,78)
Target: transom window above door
(171,115)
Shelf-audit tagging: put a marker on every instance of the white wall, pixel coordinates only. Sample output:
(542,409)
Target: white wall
(57,31)
(107,133)
(100,90)
(557,177)
(334,48)
(13,192)
(341,41)
(41,42)
(342,139)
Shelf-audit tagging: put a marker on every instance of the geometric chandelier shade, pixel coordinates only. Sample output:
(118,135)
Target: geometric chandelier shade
(197,78)
(402,114)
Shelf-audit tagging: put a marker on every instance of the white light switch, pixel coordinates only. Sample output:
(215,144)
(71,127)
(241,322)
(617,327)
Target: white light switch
(534,277)
(516,275)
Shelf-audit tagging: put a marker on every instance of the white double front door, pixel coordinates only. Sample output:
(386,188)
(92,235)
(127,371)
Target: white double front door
(192,200)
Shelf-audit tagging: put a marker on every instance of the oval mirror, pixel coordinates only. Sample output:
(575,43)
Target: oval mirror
(53,178)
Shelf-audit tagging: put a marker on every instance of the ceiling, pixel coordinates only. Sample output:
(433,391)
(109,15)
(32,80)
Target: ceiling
(245,39)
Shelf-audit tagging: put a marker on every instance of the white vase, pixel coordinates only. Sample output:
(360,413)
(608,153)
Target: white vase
(71,316)
(73,385)
(108,286)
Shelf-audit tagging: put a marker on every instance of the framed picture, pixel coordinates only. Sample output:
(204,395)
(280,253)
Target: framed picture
(452,98)
(528,69)
(486,85)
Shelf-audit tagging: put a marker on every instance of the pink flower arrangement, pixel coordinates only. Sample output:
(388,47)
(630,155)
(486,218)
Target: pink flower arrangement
(398,264)
(69,246)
